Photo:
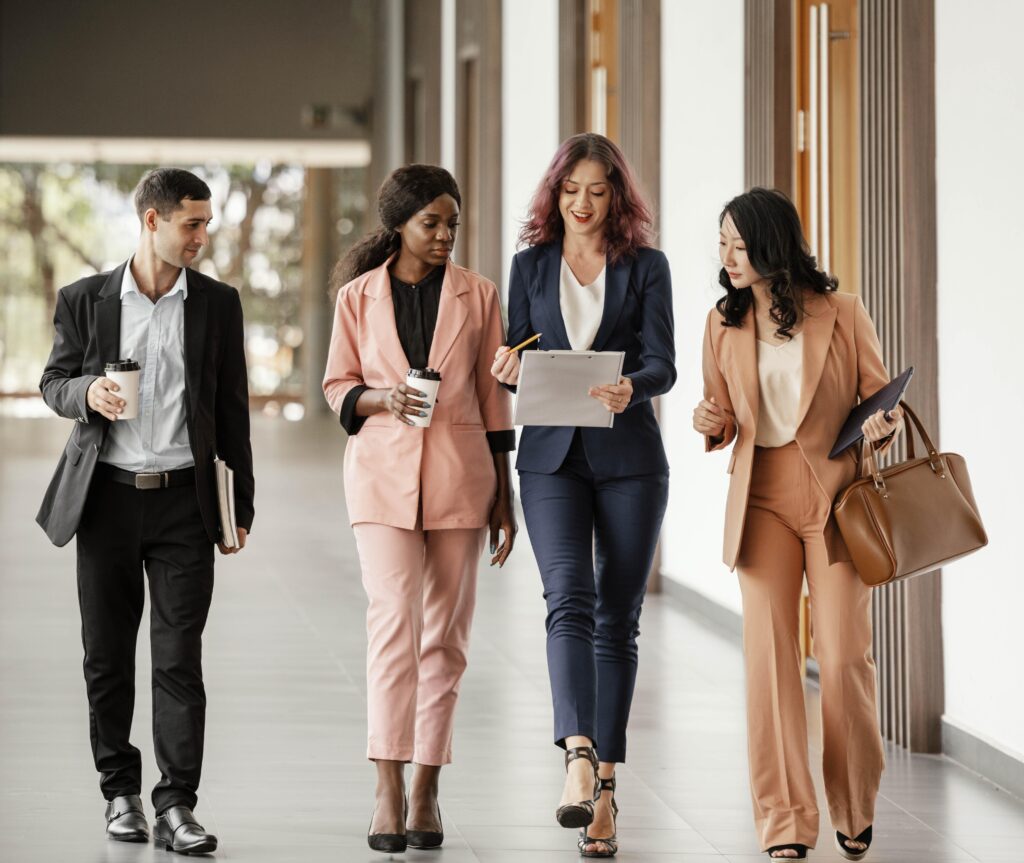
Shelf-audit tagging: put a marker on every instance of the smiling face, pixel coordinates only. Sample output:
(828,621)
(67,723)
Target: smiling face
(429,235)
(733,252)
(585,198)
(178,239)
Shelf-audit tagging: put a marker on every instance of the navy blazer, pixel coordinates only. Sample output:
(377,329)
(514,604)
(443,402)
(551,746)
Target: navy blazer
(637,320)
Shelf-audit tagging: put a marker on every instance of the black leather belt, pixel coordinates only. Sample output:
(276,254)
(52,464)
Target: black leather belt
(146,481)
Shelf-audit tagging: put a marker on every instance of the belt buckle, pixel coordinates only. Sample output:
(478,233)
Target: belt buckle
(150,480)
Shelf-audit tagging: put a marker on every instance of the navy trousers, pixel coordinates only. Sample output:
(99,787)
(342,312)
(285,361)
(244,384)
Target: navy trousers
(594,540)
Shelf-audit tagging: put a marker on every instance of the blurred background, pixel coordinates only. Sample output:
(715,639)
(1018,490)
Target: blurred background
(895,126)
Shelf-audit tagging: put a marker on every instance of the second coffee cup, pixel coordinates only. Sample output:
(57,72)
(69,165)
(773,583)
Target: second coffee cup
(125,373)
(426,381)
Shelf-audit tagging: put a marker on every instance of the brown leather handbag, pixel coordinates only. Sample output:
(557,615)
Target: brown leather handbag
(911,518)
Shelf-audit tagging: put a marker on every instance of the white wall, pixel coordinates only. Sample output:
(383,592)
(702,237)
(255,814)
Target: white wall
(980,123)
(702,168)
(529,34)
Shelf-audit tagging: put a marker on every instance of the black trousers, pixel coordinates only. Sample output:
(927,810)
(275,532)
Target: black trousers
(123,531)
(594,539)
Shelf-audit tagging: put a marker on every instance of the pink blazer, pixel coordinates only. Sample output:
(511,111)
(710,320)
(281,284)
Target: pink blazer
(842,363)
(389,466)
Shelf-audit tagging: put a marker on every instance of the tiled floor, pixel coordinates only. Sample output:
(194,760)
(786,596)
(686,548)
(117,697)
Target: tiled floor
(285,777)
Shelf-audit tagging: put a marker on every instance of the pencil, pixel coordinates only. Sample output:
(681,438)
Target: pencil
(524,344)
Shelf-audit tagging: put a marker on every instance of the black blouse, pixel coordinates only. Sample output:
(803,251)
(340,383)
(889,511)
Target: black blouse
(416,319)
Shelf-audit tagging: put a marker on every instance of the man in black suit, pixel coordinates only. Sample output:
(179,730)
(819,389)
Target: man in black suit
(141,493)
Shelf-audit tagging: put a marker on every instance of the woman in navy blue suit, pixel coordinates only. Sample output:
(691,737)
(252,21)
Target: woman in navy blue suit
(593,498)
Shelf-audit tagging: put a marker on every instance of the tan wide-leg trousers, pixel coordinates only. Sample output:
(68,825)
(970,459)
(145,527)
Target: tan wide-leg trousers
(422,590)
(782,540)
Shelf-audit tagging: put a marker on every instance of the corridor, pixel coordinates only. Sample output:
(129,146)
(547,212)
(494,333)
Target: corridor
(285,776)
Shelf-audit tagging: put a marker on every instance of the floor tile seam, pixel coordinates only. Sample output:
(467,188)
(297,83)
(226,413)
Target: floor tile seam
(929,827)
(696,830)
(304,618)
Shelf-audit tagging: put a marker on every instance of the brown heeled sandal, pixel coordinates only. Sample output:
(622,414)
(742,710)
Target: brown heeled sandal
(580,814)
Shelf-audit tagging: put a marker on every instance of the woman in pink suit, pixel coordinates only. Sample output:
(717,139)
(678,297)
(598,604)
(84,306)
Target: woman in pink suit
(420,500)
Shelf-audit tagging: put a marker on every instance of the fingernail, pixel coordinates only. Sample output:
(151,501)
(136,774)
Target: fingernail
(493,548)
(423,413)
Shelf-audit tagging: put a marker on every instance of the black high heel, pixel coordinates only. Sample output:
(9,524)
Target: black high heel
(580,814)
(389,843)
(849,853)
(611,843)
(426,838)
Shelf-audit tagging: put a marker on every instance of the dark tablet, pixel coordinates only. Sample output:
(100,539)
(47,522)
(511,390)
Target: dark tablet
(884,400)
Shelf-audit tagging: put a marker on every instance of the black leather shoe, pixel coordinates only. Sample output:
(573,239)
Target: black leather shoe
(126,822)
(177,830)
(426,838)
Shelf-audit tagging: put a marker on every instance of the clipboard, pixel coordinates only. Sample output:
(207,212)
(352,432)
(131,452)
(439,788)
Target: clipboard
(554,385)
(884,400)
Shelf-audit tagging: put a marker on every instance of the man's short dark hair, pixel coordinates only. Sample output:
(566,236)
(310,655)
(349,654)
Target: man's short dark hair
(164,189)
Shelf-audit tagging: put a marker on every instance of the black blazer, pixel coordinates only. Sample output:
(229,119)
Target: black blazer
(87,324)
(637,319)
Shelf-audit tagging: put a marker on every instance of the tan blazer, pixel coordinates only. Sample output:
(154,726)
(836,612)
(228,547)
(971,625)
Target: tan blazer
(389,465)
(842,363)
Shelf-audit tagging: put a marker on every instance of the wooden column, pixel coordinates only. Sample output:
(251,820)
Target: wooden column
(899,278)
(318,253)
(769,134)
(572,67)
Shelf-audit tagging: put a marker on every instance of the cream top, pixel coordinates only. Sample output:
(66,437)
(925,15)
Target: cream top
(582,307)
(779,372)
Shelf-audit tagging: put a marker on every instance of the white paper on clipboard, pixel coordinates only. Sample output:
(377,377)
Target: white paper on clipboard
(554,385)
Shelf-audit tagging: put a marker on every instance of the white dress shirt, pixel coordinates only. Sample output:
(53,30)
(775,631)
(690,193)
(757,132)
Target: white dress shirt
(582,307)
(152,334)
(780,372)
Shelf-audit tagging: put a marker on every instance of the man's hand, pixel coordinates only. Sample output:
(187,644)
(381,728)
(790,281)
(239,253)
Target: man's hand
(227,549)
(100,398)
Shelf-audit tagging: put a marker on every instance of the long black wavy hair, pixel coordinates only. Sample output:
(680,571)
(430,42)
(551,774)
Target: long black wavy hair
(770,227)
(404,193)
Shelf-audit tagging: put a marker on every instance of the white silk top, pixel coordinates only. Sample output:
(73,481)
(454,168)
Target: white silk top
(779,372)
(582,307)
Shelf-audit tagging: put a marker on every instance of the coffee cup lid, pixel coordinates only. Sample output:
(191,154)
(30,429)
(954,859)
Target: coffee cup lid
(425,374)
(128,365)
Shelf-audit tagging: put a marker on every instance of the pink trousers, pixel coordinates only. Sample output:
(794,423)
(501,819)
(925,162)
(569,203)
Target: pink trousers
(422,590)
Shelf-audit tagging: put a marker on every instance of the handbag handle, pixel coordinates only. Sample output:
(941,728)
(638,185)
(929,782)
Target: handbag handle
(869,458)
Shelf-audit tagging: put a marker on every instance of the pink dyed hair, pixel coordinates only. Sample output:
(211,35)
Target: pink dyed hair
(630,221)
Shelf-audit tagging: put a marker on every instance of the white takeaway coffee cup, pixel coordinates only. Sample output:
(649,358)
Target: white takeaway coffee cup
(125,373)
(426,381)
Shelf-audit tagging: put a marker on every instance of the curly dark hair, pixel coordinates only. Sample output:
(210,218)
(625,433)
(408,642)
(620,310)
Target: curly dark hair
(404,193)
(770,227)
(629,224)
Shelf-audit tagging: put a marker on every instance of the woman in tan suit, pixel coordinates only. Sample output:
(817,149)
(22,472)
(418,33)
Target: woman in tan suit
(420,499)
(785,360)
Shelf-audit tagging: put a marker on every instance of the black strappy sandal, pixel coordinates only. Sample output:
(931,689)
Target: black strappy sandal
(801,851)
(579,814)
(849,853)
(611,843)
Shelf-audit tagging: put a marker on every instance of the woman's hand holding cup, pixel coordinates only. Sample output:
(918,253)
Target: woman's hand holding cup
(403,402)
(709,418)
(506,366)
